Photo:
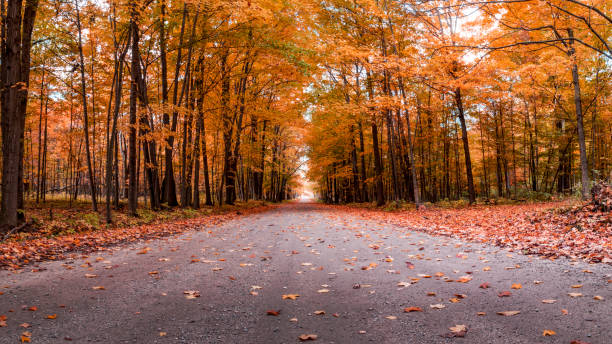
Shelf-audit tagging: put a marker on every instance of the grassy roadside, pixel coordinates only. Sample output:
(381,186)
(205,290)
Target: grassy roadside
(58,217)
(58,231)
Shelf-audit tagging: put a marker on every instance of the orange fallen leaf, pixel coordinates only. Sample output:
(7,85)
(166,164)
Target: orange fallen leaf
(548,333)
(33,308)
(516,286)
(306,337)
(99,287)
(273,312)
(319,312)
(51,316)
(413,309)
(504,294)
(576,286)
(290,296)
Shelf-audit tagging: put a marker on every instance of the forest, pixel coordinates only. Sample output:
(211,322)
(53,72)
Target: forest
(288,171)
(161,103)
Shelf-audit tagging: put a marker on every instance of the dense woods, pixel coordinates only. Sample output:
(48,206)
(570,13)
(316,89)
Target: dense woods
(161,103)
(164,103)
(445,100)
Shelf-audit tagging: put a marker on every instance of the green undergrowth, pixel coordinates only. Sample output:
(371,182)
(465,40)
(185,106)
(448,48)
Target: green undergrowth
(56,217)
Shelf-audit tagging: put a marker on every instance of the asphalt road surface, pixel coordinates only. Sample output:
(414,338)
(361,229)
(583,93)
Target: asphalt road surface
(216,285)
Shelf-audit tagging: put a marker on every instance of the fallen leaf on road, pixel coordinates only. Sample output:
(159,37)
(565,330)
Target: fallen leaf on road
(90,276)
(162,334)
(391,317)
(549,301)
(319,312)
(26,337)
(481,313)
(272,312)
(464,279)
(293,320)
(306,337)
(548,333)
(191,294)
(576,286)
(598,297)
(412,309)
(458,328)
(323,291)
(516,286)
(51,316)
(564,311)
(33,308)
(504,294)
(98,287)
(485,285)
(574,294)
(290,296)
(508,313)
(437,306)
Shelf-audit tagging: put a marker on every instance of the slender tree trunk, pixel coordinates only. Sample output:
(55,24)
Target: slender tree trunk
(92,181)
(584,169)
(466,147)
(132,183)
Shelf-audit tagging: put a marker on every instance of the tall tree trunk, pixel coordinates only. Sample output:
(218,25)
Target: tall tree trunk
(16,36)
(169,184)
(90,171)
(584,169)
(110,149)
(466,147)
(132,183)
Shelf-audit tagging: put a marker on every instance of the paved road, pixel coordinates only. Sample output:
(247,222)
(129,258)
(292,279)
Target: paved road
(337,262)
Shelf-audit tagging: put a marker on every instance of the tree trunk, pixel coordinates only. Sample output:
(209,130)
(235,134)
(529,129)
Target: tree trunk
(584,169)
(466,147)
(90,171)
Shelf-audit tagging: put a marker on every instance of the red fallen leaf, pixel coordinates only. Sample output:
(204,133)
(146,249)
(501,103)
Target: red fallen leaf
(485,285)
(413,309)
(578,342)
(504,294)
(409,265)
(33,308)
(273,312)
